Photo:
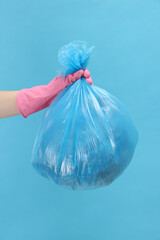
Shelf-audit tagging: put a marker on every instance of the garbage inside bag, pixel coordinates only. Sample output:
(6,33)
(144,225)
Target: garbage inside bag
(86,138)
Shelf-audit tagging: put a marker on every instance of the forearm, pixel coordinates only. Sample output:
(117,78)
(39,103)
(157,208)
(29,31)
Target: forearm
(8,104)
(29,101)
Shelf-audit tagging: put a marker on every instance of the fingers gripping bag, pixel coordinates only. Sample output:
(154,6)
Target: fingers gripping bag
(86,138)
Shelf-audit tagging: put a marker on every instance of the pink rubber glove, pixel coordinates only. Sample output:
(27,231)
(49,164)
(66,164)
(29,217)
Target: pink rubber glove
(37,98)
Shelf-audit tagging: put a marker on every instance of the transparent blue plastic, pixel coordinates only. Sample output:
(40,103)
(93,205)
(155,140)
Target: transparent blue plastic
(87,137)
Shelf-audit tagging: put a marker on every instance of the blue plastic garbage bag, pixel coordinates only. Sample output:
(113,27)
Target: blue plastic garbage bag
(86,138)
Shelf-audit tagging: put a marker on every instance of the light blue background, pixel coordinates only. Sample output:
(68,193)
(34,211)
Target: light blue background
(125,62)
